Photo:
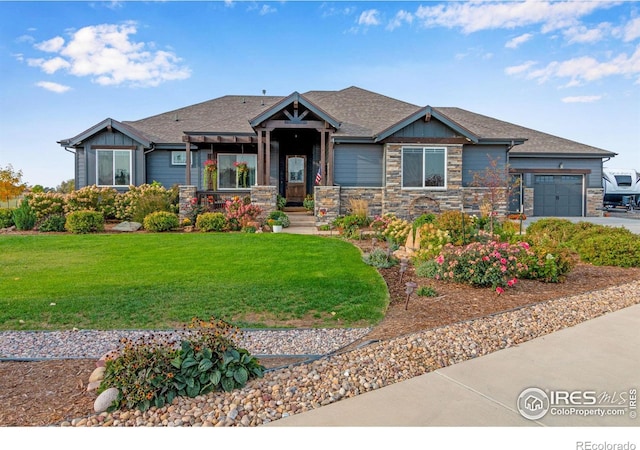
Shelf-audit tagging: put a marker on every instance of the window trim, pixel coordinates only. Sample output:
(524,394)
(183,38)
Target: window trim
(423,148)
(113,151)
(241,157)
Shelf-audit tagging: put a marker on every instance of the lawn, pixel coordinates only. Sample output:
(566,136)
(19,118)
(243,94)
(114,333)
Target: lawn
(162,280)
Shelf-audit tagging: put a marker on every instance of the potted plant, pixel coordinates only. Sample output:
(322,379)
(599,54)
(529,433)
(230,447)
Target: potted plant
(275,224)
(308,203)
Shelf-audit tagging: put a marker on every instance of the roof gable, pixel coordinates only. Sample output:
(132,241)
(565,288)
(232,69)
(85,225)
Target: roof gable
(294,100)
(107,124)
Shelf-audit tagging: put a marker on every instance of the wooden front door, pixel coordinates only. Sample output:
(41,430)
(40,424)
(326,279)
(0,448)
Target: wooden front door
(296,188)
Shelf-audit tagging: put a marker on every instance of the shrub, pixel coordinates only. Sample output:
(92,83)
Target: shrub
(559,230)
(161,221)
(359,208)
(82,222)
(142,200)
(6,218)
(379,224)
(350,225)
(461,226)
(93,198)
(423,219)
(493,264)
(432,240)
(397,231)
(615,247)
(54,222)
(239,212)
(45,204)
(211,221)
(380,258)
(281,217)
(281,202)
(426,291)
(154,372)
(308,202)
(427,269)
(24,217)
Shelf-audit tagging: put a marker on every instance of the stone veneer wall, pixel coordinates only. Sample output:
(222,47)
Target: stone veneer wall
(373,197)
(185,194)
(528,201)
(410,203)
(265,197)
(594,202)
(326,204)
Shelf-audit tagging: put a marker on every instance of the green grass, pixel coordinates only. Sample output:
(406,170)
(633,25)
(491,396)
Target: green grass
(160,281)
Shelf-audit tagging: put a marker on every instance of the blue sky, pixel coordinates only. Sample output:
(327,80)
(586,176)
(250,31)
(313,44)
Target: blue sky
(567,68)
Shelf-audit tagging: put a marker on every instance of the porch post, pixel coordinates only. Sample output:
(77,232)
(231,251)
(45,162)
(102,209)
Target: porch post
(330,168)
(267,163)
(187,177)
(323,166)
(260,168)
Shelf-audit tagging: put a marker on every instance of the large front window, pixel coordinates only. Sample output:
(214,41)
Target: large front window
(236,171)
(424,167)
(113,167)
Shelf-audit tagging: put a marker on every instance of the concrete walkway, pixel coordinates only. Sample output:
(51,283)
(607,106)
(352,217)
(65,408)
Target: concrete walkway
(600,358)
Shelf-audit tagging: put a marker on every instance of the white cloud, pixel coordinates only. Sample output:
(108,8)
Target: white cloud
(52,45)
(583,69)
(401,18)
(521,68)
(581,34)
(631,30)
(267,9)
(582,99)
(477,16)
(516,41)
(53,87)
(369,17)
(108,55)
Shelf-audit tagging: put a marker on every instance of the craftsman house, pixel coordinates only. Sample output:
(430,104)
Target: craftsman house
(339,145)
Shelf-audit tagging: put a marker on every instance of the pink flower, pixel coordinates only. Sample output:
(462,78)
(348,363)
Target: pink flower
(525,245)
(440,259)
(503,261)
(511,282)
(503,269)
(499,290)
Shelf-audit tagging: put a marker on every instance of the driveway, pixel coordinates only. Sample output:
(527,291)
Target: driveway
(630,220)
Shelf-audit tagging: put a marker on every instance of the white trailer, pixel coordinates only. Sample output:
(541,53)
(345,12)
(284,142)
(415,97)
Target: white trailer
(621,188)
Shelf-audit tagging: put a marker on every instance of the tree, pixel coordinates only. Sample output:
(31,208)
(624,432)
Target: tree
(66,187)
(11,184)
(496,184)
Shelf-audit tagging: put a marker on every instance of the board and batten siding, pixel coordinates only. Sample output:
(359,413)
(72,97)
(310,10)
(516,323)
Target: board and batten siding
(476,159)
(87,158)
(422,129)
(358,165)
(160,169)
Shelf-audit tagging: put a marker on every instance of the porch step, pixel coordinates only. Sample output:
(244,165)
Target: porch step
(301,219)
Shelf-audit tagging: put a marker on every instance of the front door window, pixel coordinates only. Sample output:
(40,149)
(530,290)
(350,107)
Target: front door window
(296,178)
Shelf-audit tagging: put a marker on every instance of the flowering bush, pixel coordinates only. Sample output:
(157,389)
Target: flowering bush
(161,221)
(380,223)
(432,240)
(397,231)
(142,200)
(93,198)
(461,227)
(211,221)
(238,212)
(45,204)
(495,264)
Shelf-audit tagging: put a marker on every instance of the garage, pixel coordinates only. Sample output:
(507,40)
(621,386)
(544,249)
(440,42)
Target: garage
(558,195)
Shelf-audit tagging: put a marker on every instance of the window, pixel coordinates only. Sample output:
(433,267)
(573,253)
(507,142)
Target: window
(113,167)
(232,173)
(179,158)
(424,167)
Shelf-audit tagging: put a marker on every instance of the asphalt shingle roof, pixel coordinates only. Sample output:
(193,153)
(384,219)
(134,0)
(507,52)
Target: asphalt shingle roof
(361,113)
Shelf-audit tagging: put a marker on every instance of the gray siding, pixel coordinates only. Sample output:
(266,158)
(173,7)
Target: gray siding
(86,160)
(422,129)
(160,169)
(475,159)
(358,165)
(593,179)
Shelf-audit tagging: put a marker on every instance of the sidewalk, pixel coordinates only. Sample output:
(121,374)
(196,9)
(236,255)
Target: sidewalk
(601,355)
